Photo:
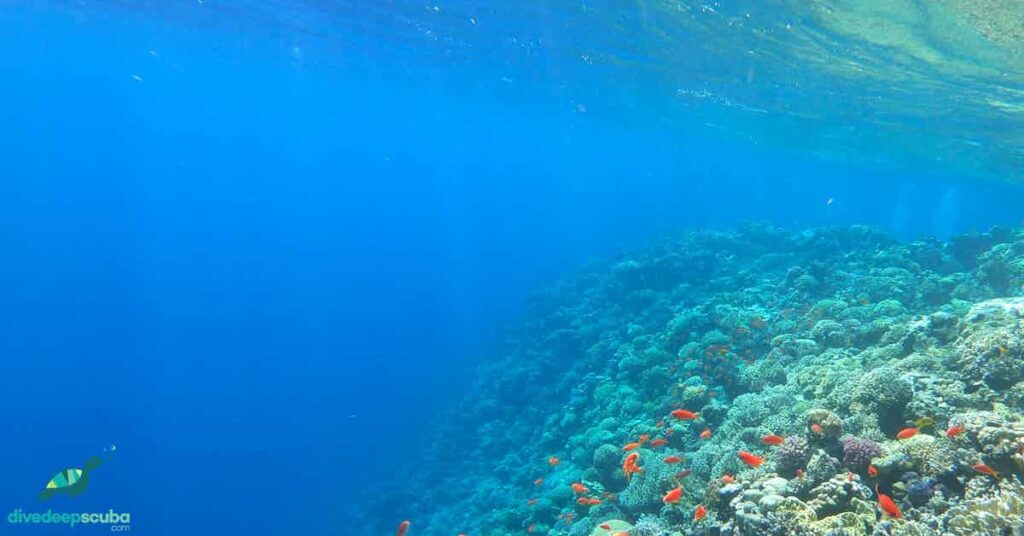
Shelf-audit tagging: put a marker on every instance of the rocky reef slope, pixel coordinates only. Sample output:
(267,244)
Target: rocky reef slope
(812,350)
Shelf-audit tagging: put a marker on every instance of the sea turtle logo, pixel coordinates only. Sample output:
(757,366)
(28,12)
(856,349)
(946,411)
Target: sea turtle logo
(70,481)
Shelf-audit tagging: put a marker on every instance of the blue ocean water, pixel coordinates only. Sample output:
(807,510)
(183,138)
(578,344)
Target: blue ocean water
(259,247)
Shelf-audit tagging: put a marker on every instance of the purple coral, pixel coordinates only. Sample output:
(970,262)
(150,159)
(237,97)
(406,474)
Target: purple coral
(857,453)
(792,454)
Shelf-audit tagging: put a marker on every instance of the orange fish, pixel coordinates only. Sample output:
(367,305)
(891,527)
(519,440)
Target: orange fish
(772,439)
(583,501)
(728,479)
(538,482)
(907,433)
(849,476)
(954,431)
(403,527)
(605,526)
(553,461)
(706,434)
(986,470)
(750,459)
(800,474)
(872,471)
(661,424)
(630,446)
(684,414)
(816,428)
(629,466)
(593,500)
(660,442)
(643,438)
(700,512)
(673,496)
(887,505)
(579,488)
(672,459)
(531,528)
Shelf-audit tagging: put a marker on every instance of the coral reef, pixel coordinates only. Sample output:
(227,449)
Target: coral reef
(843,364)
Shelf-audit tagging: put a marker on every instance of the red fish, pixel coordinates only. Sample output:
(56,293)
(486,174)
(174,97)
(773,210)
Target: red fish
(907,433)
(672,459)
(706,434)
(629,466)
(849,476)
(887,505)
(630,446)
(700,512)
(605,526)
(538,482)
(531,528)
(659,442)
(872,471)
(643,438)
(579,488)
(954,431)
(553,461)
(750,459)
(531,502)
(684,414)
(728,479)
(583,501)
(403,527)
(772,439)
(816,428)
(986,470)
(593,500)
(673,496)
(682,474)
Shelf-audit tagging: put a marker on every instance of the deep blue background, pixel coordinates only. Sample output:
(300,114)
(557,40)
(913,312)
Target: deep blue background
(260,273)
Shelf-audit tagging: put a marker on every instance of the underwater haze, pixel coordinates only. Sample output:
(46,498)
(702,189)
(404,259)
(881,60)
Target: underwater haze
(576,268)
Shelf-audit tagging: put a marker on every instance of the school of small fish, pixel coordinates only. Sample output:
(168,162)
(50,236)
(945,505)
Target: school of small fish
(631,465)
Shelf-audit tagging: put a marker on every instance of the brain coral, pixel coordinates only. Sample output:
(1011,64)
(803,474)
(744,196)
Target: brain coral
(607,462)
(886,392)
